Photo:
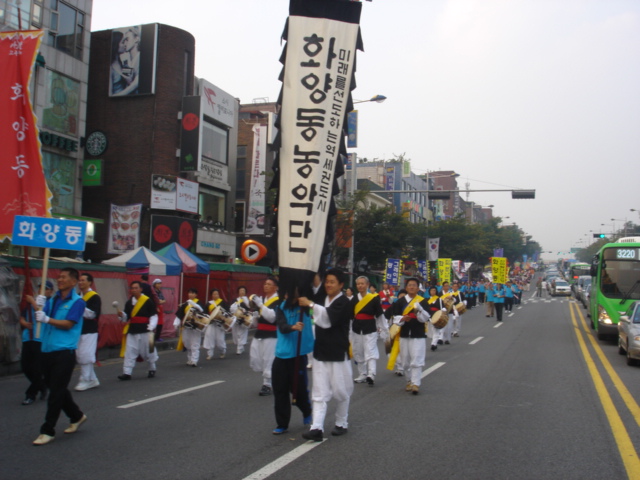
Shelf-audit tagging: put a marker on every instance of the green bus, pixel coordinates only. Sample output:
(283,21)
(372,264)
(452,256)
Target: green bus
(616,284)
(577,270)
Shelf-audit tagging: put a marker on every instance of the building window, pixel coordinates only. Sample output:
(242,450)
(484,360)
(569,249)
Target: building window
(9,15)
(62,104)
(214,143)
(37,10)
(60,173)
(241,171)
(212,206)
(67,29)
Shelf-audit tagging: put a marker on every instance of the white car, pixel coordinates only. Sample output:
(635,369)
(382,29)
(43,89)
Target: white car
(629,334)
(560,287)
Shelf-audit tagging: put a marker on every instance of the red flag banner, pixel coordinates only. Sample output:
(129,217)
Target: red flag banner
(319,63)
(24,189)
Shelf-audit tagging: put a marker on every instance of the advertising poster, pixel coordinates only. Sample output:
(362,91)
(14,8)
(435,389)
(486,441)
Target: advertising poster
(133,60)
(186,196)
(167,229)
(124,228)
(257,194)
(163,192)
(62,104)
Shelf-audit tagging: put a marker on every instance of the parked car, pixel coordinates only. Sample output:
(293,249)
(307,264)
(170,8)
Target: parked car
(629,334)
(561,287)
(583,283)
(550,282)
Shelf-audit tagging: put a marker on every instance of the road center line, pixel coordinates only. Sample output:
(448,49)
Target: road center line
(432,369)
(283,461)
(476,340)
(167,395)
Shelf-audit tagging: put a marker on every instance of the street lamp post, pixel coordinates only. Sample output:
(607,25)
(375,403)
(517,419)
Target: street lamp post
(353,185)
(620,220)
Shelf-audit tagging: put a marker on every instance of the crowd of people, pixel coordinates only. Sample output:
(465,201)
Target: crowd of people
(320,333)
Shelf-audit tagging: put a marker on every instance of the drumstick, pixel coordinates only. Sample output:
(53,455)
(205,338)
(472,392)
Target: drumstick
(115,305)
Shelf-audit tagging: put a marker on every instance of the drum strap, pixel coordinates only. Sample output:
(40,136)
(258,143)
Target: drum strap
(365,300)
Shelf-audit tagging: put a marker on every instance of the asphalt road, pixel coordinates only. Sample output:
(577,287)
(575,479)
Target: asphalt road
(514,401)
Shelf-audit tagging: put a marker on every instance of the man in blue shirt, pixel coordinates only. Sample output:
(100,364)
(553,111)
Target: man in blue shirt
(61,320)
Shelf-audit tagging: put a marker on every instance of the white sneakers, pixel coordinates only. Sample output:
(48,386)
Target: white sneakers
(86,385)
(362,378)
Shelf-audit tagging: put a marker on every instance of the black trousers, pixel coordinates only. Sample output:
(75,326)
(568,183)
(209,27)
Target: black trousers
(57,368)
(508,304)
(481,297)
(499,307)
(31,364)
(282,374)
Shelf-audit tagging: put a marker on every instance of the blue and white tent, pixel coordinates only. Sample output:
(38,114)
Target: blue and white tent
(144,260)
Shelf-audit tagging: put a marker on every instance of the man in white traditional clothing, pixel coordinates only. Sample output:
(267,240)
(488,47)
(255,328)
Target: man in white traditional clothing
(263,346)
(240,330)
(88,344)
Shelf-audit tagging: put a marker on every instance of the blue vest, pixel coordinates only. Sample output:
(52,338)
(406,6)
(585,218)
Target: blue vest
(69,308)
(287,344)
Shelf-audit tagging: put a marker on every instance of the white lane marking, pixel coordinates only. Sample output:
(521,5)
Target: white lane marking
(167,395)
(283,461)
(432,369)
(497,325)
(511,314)
(519,308)
(476,340)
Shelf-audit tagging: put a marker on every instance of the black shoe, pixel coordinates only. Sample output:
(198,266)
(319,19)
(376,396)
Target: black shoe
(28,401)
(315,435)
(447,342)
(434,348)
(337,431)
(124,376)
(440,342)
(265,391)
(370,381)
(152,374)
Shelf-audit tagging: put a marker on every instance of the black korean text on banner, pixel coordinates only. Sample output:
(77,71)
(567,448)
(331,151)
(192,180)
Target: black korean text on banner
(317,80)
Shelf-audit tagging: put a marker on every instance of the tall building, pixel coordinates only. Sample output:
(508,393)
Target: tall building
(163,144)
(59,89)
(447,180)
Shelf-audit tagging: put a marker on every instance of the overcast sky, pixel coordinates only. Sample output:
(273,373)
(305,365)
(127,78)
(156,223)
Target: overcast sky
(535,94)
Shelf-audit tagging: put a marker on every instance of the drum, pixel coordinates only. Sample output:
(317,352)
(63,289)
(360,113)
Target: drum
(448,303)
(393,331)
(198,322)
(439,319)
(244,317)
(222,318)
(461,308)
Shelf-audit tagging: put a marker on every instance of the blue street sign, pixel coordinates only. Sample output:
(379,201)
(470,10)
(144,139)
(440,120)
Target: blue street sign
(49,233)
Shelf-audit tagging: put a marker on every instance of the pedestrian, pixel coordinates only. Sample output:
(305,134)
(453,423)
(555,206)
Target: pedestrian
(191,335)
(368,319)
(289,369)
(508,296)
(88,344)
(61,319)
(489,299)
(263,345)
(410,313)
(445,293)
(499,295)
(240,329)
(215,334)
(458,298)
(142,315)
(434,305)
(30,359)
(331,364)
(539,287)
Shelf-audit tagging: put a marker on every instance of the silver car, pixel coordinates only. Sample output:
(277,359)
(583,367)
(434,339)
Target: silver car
(629,334)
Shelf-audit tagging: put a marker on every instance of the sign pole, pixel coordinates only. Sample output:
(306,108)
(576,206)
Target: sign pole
(43,283)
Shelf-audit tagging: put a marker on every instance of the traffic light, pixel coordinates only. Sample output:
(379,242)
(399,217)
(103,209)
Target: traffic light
(439,195)
(523,194)
(599,235)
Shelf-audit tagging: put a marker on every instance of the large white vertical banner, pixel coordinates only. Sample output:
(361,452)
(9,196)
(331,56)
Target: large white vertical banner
(322,37)
(255,218)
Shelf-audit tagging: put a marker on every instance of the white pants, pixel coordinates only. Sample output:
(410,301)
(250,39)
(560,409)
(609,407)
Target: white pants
(191,340)
(331,380)
(412,355)
(446,331)
(214,337)
(86,356)
(365,352)
(434,333)
(263,351)
(138,344)
(457,323)
(239,333)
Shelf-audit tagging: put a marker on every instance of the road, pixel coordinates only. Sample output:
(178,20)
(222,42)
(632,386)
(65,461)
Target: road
(535,397)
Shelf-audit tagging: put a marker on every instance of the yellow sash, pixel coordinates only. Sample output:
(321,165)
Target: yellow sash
(395,349)
(365,300)
(136,308)
(270,301)
(433,299)
(88,295)
(212,306)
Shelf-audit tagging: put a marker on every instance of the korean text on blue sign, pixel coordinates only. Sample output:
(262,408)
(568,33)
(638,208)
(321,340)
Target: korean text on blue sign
(49,233)
(392,273)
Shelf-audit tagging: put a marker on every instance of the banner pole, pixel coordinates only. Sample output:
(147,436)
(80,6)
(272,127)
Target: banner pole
(45,268)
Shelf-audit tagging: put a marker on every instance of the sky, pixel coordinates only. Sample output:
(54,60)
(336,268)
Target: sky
(531,94)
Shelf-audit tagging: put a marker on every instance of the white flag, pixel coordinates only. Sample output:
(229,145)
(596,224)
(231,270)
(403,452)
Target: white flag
(434,249)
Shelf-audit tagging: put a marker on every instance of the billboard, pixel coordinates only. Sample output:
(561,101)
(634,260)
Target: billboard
(133,60)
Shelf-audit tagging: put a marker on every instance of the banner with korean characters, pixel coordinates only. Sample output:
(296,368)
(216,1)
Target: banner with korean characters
(49,233)
(319,61)
(124,228)
(393,271)
(444,270)
(423,270)
(24,189)
(499,269)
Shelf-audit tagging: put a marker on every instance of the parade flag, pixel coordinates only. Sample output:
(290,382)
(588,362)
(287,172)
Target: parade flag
(392,272)
(319,65)
(257,193)
(444,270)
(24,188)
(423,271)
(499,269)
(433,249)
(498,252)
